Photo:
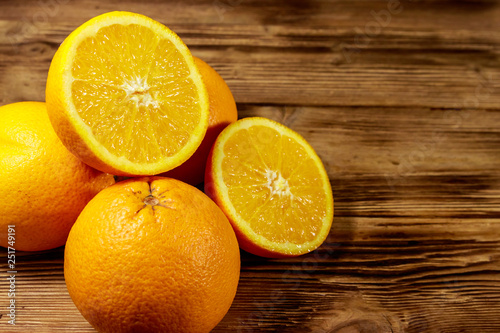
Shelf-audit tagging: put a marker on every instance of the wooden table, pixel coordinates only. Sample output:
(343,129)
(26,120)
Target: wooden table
(401,100)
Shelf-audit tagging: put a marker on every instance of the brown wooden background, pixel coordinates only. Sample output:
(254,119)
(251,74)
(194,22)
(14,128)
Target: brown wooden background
(403,110)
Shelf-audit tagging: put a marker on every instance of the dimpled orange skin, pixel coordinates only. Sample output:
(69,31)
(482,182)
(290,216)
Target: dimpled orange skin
(222,113)
(42,185)
(152,255)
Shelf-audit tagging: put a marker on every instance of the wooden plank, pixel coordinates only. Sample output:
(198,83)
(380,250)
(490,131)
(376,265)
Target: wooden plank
(394,142)
(405,117)
(42,300)
(328,59)
(400,256)
(351,280)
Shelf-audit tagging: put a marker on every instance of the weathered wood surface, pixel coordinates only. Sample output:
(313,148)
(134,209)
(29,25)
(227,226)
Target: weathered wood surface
(405,114)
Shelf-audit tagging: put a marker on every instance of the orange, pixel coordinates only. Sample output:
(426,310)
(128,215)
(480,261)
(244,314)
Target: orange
(42,185)
(272,186)
(222,113)
(125,96)
(152,255)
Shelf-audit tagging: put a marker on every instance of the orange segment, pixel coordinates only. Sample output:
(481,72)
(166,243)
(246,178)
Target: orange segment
(124,95)
(272,186)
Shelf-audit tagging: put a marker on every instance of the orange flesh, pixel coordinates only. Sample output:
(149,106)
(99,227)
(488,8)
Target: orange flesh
(270,177)
(120,84)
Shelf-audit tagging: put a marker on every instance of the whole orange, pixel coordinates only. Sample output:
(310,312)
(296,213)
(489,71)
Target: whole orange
(222,113)
(42,185)
(152,255)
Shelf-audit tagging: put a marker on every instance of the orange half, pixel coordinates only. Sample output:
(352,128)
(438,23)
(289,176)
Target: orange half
(124,94)
(272,186)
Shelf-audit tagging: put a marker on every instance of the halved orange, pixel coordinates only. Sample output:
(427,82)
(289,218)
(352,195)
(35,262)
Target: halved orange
(272,186)
(124,94)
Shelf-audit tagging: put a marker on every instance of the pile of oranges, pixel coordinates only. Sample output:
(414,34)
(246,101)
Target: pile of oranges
(152,253)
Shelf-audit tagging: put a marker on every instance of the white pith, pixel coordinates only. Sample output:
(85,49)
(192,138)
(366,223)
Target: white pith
(138,91)
(277,184)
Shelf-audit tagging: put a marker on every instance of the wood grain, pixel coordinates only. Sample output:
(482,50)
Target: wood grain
(405,117)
